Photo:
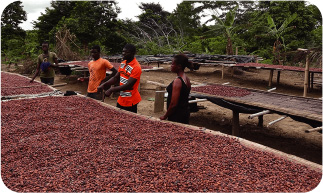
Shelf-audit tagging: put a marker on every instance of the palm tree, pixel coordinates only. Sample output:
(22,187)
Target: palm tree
(278,34)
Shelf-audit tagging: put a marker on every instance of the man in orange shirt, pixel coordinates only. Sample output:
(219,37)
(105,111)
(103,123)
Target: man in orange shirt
(97,68)
(128,76)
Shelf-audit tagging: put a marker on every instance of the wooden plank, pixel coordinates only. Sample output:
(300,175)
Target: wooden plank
(308,113)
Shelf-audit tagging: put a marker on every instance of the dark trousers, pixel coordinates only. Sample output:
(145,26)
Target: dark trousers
(49,81)
(132,108)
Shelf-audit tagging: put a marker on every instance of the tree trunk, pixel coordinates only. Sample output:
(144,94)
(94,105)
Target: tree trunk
(229,48)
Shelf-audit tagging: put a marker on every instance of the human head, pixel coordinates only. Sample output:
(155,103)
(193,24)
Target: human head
(128,52)
(180,62)
(95,52)
(44,46)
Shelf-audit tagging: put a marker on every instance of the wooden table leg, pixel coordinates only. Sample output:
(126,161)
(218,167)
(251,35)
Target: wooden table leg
(270,81)
(278,76)
(235,123)
(260,121)
(312,80)
(222,71)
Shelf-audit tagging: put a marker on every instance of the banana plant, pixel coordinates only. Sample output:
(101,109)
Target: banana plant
(226,27)
(279,34)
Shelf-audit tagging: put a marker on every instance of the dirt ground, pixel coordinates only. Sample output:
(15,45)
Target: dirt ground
(287,135)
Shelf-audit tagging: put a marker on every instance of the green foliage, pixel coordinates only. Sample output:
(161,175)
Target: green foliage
(89,20)
(185,19)
(279,33)
(242,24)
(152,48)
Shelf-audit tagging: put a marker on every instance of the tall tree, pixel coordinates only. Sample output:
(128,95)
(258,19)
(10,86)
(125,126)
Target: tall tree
(90,21)
(154,29)
(49,20)
(12,36)
(11,17)
(94,20)
(186,19)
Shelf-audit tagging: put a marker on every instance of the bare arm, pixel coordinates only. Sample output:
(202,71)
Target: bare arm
(128,86)
(106,85)
(36,73)
(55,63)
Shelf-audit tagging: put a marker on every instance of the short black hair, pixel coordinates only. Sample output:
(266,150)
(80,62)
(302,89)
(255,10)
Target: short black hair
(130,47)
(96,47)
(45,42)
(182,60)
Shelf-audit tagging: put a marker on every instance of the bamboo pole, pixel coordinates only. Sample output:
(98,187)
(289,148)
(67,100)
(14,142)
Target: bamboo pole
(271,89)
(275,121)
(259,114)
(197,100)
(314,129)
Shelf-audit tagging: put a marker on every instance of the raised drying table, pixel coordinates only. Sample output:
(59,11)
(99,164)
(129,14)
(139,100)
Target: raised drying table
(250,101)
(280,68)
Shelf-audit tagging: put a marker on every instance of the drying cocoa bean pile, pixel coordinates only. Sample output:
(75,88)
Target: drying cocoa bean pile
(12,84)
(295,68)
(74,144)
(221,90)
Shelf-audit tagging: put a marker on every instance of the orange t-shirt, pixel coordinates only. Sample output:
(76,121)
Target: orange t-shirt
(128,98)
(97,71)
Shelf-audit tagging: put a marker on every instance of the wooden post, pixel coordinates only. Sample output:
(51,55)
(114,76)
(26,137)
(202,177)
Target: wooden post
(237,50)
(278,76)
(306,76)
(270,81)
(159,99)
(222,71)
(260,121)
(312,80)
(232,70)
(235,123)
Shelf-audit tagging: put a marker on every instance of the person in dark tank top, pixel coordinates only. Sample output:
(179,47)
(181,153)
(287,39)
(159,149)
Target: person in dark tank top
(178,92)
